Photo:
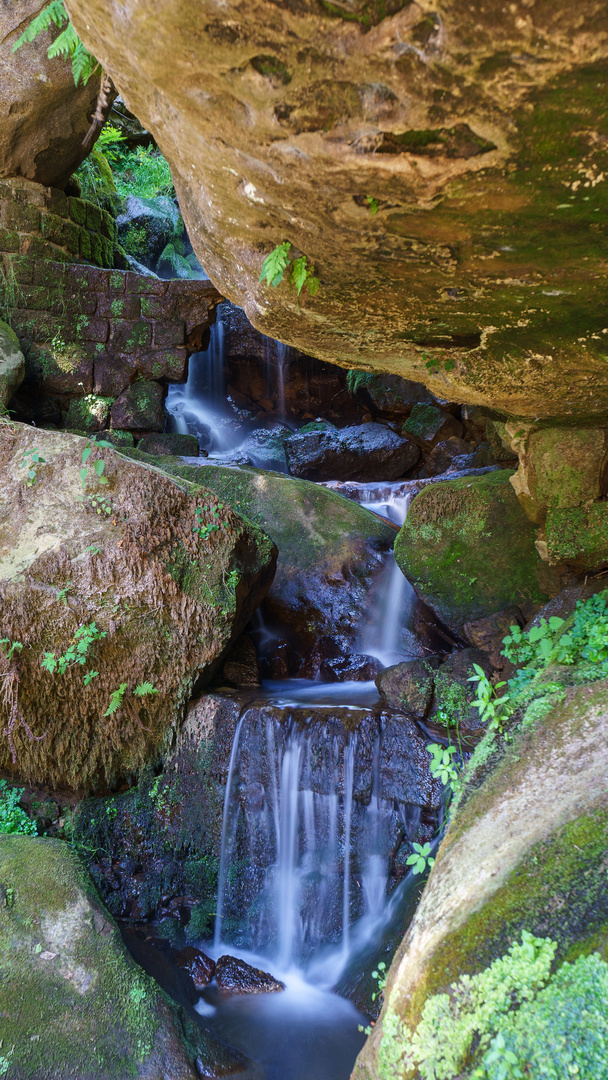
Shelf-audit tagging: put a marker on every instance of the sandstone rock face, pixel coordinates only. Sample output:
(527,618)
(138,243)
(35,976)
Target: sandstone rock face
(510,864)
(441,166)
(469,549)
(12,363)
(64,964)
(43,116)
(163,577)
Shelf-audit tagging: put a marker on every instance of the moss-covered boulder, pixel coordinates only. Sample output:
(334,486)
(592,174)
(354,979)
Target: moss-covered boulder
(120,589)
(469,549)
(72,1002)
(140,407)
(507,951)
(329,547)
(12,363)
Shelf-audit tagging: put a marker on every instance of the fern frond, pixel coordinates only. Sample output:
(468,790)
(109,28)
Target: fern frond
(65,44)
(54,14)
(84,64)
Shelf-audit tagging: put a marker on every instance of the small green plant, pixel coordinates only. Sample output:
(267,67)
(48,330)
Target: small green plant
(372,204)
(62,593)
(492,708)
(8,648)
(93,549)
(442,765)
(233,579)
(203,531)
(66,44)
(301,271)
(76,653)
(144,689)
(116,700)
(98,466)
(31,459)
(12,818)
(380,976)
(499,1063)
(90,675)
(433,366)
(110,143)
(420,858)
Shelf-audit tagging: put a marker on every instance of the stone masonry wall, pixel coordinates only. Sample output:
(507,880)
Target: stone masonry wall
(101,345)
(45,223)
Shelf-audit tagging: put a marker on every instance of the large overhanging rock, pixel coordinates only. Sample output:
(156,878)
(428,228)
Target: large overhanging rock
(109,590)
(43,116)
(478,130)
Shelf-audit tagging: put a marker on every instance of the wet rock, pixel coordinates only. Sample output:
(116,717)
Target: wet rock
(241,667)
(12,363)
(234,976)
(326,648)
(469,549)
(281,661)
(368,452)
(140,407)
(173,443)
(452,715)
(429,425)
(126,560)
(408,686)
(388,395)
(358,668)
(447,454)
(146,226)
(199,967)
(487,634)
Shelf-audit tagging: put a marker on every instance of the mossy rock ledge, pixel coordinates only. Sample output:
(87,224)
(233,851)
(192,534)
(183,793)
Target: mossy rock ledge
(164,572)
(525,853)
(72,1001)
(330,548)
(469,549)
(12,363)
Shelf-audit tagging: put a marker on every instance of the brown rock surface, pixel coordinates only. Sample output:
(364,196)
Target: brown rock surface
(479,131)
(43,116)
(234,976)
(127,559)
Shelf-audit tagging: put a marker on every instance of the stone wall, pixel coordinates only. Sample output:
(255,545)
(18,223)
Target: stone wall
(45,223)
(101,345)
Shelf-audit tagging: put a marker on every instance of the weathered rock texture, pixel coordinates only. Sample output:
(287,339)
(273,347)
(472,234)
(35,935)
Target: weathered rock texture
(168,587)
(43,116)
(73,1003)
(526,851)
(479,131)
(469,550)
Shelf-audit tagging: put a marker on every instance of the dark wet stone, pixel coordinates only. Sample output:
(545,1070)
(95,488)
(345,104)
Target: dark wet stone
(408,686)
(169,442)
(326,648)
(199,967)
(367,452)
(234,976)
(358,668)
(241,666)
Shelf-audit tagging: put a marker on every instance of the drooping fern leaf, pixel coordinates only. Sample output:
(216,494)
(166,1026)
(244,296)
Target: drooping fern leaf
(66,44)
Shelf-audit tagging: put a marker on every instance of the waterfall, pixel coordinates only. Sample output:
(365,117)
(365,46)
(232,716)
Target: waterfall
(316,856)
(198,406)
(385,635)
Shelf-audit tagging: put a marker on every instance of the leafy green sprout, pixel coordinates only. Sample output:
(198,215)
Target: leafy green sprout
(420,858)
(301,271)
(8,648)
(77,652)
(13,819)
(372,204)
(442,765)
(491,707)
(203,531)
(143,689)
(66,43)
(380,976)
(31,459)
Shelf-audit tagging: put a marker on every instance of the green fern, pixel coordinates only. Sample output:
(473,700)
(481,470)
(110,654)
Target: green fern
(144,688)
(116,700)
(67,44)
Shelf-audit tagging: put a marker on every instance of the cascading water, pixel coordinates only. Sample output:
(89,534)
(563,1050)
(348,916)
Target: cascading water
(198,406)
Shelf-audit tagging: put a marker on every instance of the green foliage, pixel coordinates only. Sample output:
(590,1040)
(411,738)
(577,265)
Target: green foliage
(420,858)
(372,204)
(8,648)
(143,689)
(455,1026)
(66,43)
(433,366)
(31,459)
(301,272)
(203,531)
(442,765)
(110,143)
(116,699)
(586,639)
(142,172)
(76,653)
(12,818)
(492,708)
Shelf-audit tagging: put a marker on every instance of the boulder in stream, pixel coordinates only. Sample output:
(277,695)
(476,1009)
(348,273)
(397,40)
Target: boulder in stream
(72,1001)
(196,964)
(121,588)
(469,550)
(365,452)
(234,976)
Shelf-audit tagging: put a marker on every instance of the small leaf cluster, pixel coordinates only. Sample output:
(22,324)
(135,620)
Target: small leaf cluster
(442,765)
(586,638)
(491,706)
(12,818)
(203,531)
(8,648)
(420,858)
(66,43)
(433,366)
(76,653)
(31,459)
(143,689)
(301,271)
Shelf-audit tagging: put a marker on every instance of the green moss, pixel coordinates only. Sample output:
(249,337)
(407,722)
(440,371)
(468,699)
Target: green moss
(423,422)
(368,14)
(579,535)
(272,67)
(88,413)
(469,548)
